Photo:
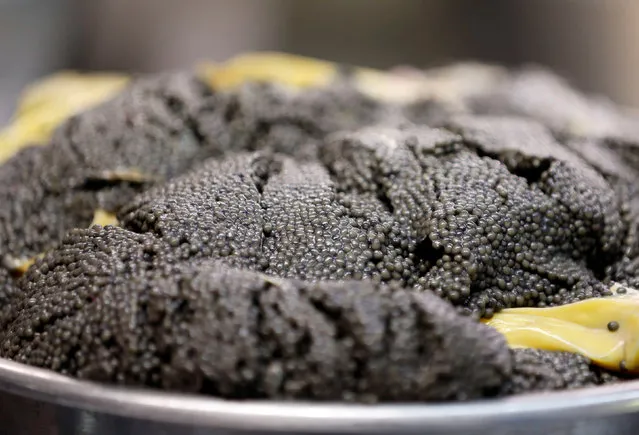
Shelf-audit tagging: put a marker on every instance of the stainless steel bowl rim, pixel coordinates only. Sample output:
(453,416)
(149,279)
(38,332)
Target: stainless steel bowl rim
(47,386)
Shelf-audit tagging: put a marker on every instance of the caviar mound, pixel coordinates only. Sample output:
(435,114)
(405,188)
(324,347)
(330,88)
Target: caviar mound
(320,243)
(208,328)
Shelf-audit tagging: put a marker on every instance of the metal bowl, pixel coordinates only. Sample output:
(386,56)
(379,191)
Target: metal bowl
(37,401)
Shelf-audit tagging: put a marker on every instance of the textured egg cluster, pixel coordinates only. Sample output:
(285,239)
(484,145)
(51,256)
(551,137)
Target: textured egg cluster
(316,244)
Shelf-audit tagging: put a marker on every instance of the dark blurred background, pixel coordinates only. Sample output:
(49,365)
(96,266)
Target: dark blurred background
(592,42)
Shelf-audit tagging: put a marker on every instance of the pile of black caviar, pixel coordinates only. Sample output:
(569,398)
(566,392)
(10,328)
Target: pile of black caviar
(317,244)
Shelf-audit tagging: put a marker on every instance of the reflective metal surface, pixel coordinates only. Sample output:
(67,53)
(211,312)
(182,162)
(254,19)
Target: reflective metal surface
(35,401)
